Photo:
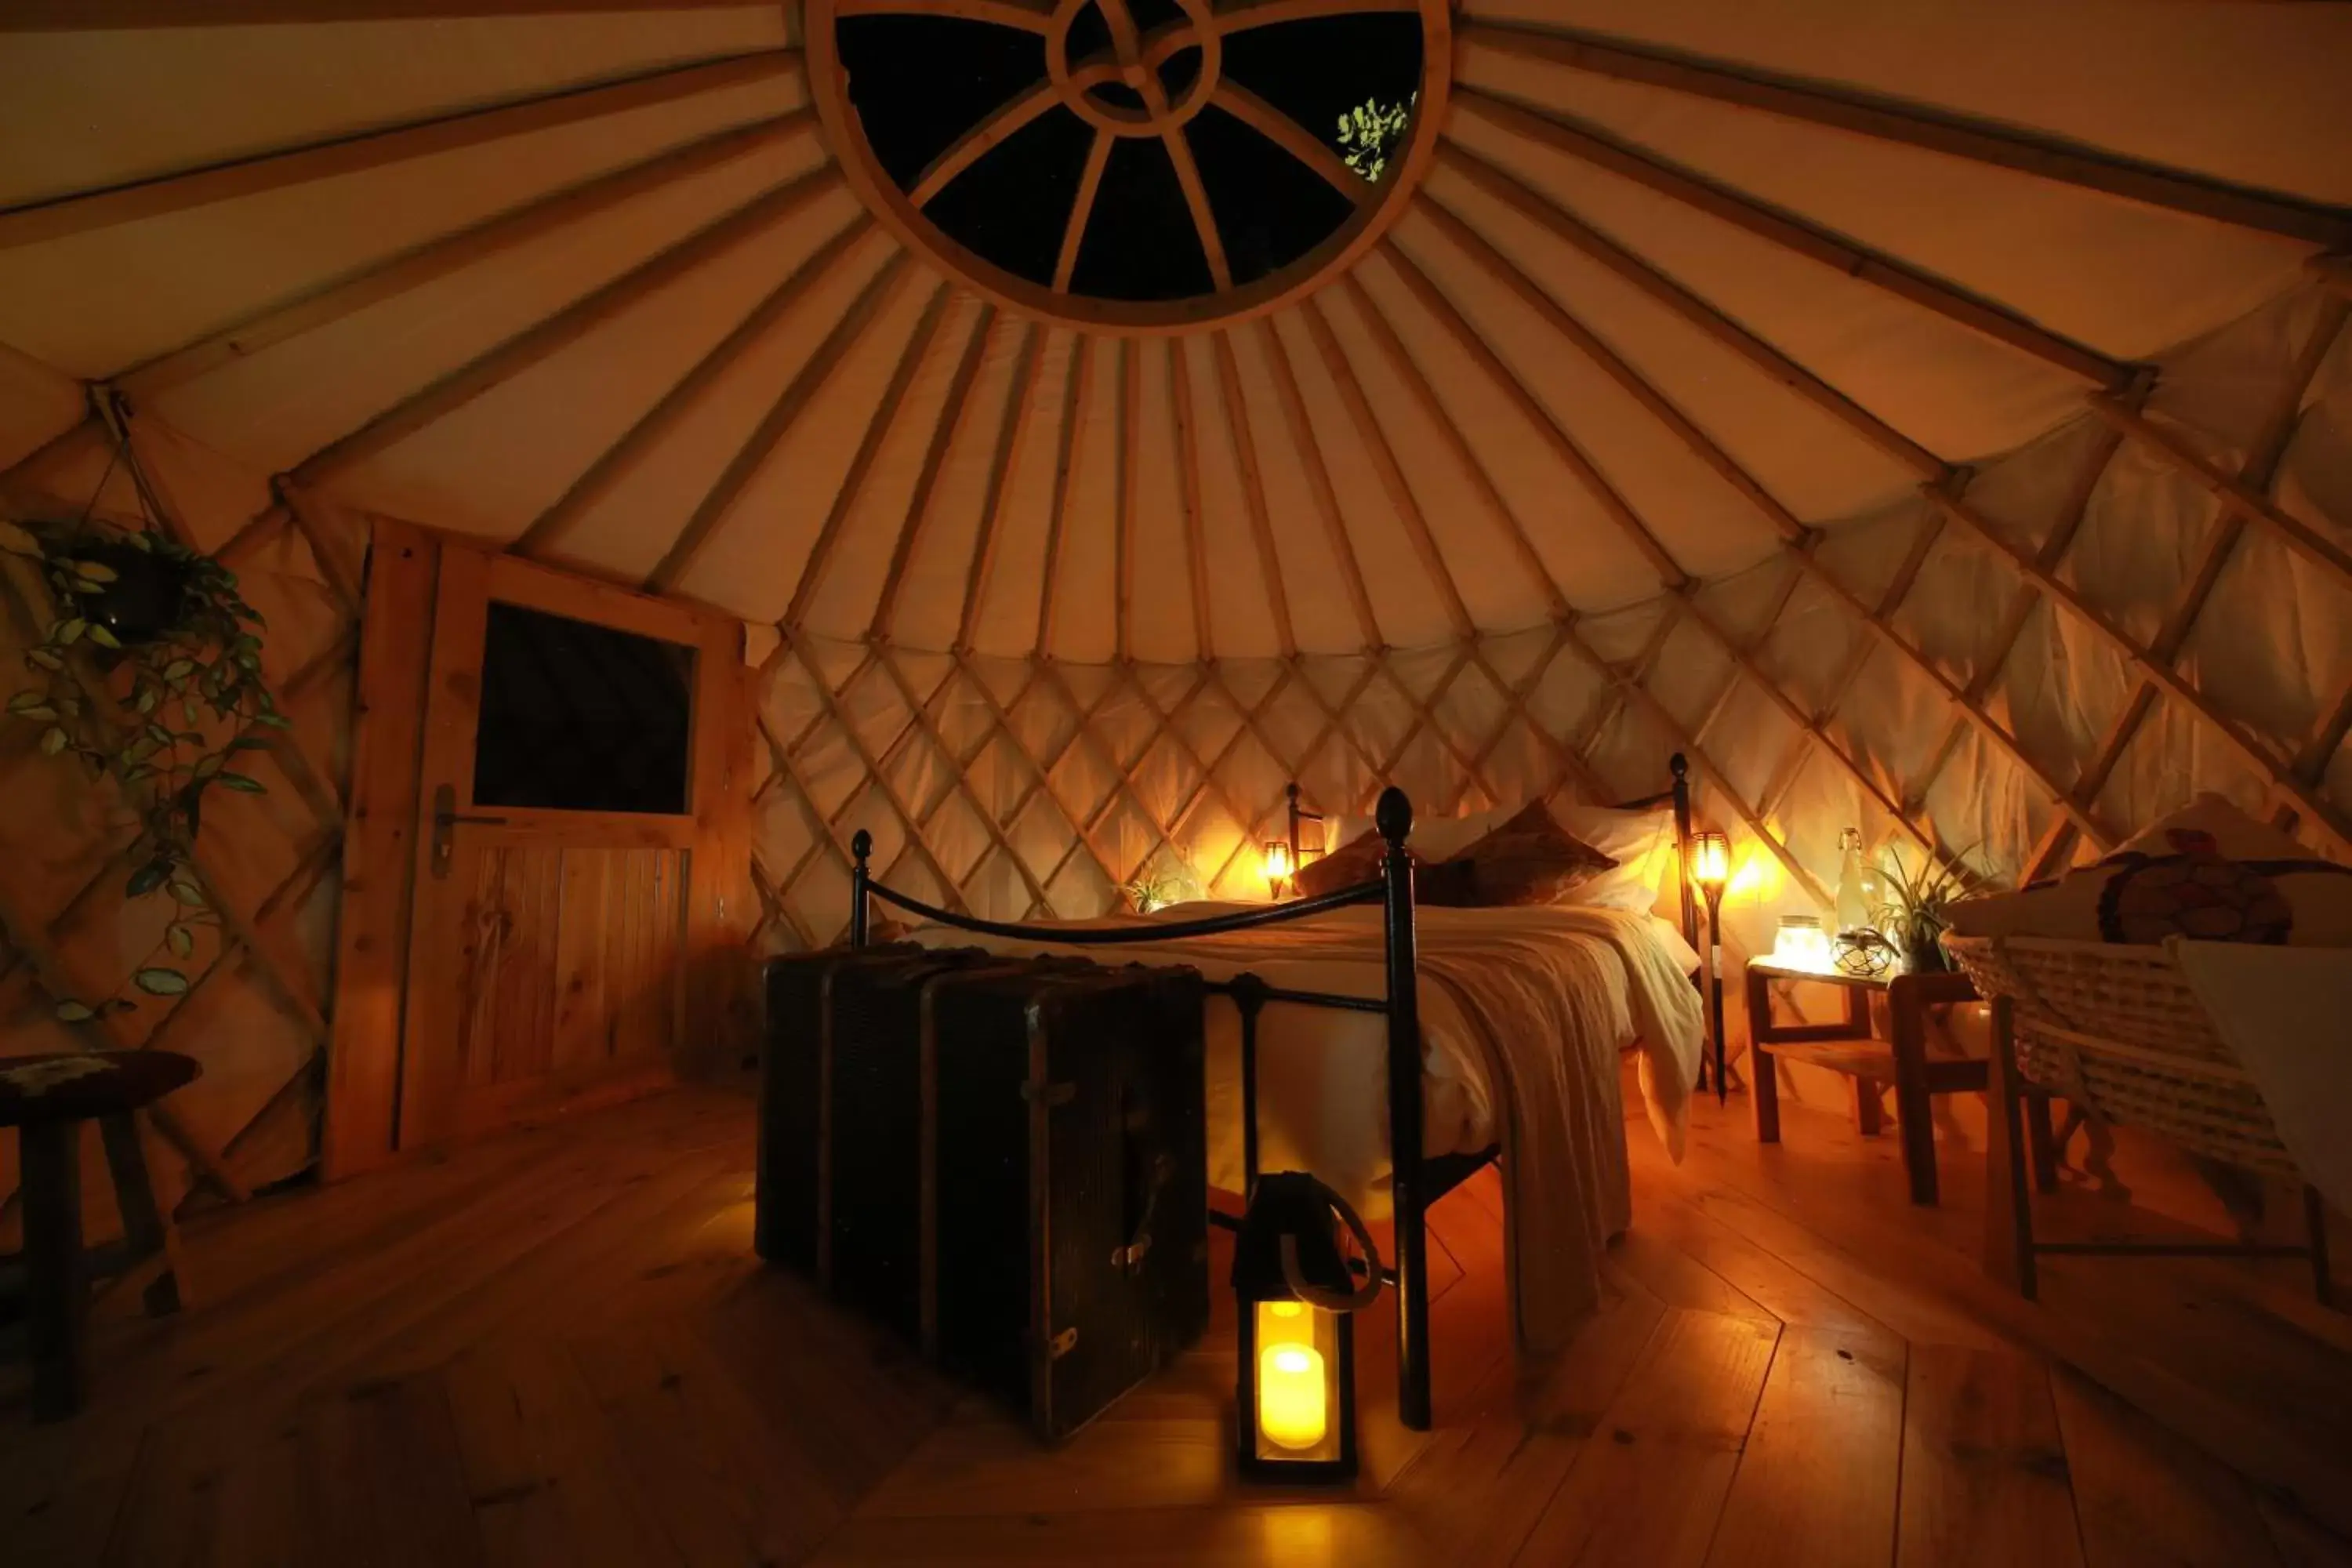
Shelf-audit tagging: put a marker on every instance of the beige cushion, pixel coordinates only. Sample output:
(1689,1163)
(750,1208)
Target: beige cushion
(2208,872)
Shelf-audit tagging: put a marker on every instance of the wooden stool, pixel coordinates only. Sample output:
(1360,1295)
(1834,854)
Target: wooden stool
(46,1098)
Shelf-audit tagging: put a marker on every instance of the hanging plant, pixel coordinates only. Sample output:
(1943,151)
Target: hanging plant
(149,674)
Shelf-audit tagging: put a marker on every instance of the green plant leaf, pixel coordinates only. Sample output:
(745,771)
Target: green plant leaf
(249,743)
(74,1012)
(52,741)
(93,571)
(148,877)
(161,982)
(178,669)
(275,720)
(159,735)
(43,658)
(239,782)
(182,941)
(101,637)
(17,542)
(69,632)
(186,892)
(26,702)
(146,703)
(139,773)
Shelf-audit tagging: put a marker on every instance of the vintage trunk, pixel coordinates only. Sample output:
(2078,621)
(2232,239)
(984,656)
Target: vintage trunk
(1067,1219)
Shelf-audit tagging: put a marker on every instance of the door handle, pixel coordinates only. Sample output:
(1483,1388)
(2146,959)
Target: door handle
(446,815)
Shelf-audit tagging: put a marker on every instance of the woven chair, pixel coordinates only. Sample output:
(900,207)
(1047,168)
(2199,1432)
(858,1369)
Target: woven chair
(2116,1030)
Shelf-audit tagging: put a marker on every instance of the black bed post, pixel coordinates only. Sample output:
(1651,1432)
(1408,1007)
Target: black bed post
(1679,765)
(861,848)
(1291,791)
(1394,817)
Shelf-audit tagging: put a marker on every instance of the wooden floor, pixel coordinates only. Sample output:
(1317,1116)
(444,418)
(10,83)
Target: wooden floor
(555,1348)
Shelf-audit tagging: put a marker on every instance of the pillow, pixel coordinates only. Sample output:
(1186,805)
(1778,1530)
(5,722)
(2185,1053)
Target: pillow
(1433,838)
(2208,872)
(1528,859)
(1447,884)
(1640,842)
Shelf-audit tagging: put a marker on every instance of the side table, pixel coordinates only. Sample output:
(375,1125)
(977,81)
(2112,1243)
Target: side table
(1853,1047)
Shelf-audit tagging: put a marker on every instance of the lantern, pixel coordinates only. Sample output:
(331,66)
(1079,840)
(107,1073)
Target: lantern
(1711,869)
(1294,1412)
(1802,943)
(1277,866)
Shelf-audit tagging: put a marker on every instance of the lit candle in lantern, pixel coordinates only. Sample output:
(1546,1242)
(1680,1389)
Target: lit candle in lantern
(1278,865)
(1290,1395)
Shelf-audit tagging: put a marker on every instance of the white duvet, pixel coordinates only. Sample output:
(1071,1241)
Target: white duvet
(1524,1013)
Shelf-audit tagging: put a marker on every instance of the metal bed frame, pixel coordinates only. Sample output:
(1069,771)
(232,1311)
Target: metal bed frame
(1415,1182)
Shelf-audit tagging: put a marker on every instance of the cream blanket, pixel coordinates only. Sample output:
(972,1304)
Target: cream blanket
(2283,1011)
(1523,1014)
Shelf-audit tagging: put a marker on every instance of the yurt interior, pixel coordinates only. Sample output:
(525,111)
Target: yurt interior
(1348,784)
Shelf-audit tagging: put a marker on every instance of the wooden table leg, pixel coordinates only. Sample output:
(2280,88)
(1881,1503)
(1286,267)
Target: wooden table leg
(1869,1116)
(1766,1089)
(53,1265)
(1906,1019)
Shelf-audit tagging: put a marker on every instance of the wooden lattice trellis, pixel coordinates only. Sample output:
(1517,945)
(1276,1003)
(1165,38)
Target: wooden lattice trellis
(255,1010)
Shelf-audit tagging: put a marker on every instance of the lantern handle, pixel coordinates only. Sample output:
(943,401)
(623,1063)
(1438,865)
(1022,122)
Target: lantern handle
(1317,1296)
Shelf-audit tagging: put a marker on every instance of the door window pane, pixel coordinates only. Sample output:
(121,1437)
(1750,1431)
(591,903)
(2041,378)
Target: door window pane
(580,717)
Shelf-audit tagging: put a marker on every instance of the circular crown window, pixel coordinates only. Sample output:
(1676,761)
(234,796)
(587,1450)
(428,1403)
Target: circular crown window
(1133,165)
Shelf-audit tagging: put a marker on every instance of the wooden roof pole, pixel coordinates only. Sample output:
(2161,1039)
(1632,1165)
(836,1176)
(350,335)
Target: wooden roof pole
(1877,621)
(1498,266)
(952,415)
(911,359)
(1010,437)
(1540,210)
(1127,479)
(445,255)
(1392,473)
(1077,389)
(617,461)
(1403,365)
(1187,487)
(567,326)
(1319,480)
(1245,445)
(80,212)
(107,16)
(982,138)
(719,501)
(1985,142)
(1292,138)
(1591,144)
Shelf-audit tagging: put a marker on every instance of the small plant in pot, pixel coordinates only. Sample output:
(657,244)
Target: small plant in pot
(149,673)
(1912,917)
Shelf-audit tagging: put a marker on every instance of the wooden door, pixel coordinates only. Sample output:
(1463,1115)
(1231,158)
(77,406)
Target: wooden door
(578,805)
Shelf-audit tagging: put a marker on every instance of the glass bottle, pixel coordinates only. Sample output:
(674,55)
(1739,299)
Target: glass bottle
(1852,884)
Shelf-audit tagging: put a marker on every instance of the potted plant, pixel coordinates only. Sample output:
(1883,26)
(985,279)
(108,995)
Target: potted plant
(150,672)
(1911,918)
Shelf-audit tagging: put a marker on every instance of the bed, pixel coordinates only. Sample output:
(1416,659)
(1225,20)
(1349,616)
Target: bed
(1395,1050)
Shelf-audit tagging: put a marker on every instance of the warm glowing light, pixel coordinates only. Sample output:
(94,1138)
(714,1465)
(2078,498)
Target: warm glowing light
(1802,943)
(1710,859)
(1284,1323)
(1292,1401)
(1278,865)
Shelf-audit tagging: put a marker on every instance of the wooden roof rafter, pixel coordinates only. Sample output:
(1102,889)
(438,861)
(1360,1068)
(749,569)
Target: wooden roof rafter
(436,401)
(130,201)
(446,254)
(1011,435)
(720,503)
(1588,143)
(1078,387)
(949,425)
(1889,119)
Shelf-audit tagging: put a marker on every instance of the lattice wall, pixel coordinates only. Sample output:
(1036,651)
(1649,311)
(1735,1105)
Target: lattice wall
(2091,638)
(256,1015)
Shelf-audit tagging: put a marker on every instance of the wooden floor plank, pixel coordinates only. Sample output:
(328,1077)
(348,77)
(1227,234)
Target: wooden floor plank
(553,1347)
(1646,1490)
(1816,1486)
(2144,1497)
(1984,1465)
